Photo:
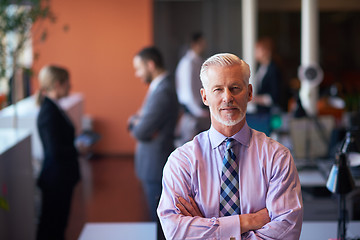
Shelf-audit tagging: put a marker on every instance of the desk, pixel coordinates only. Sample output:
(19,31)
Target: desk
(319,203)
(17,213)
(119,231)
(325,230)
(312,178)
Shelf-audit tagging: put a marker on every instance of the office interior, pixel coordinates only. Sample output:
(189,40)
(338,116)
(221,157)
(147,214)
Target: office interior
(96,41)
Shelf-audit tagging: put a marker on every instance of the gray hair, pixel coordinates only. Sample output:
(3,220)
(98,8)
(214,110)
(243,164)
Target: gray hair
(222,60)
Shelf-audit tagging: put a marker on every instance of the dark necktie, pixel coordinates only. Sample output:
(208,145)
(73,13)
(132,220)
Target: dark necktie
(229,192)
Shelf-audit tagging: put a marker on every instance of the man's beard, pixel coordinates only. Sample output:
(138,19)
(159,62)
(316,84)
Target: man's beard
(148,78)
(230,122)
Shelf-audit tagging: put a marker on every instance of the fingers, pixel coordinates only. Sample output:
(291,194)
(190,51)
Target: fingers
(188,209)
(183,210)
(195,206)
(187,206)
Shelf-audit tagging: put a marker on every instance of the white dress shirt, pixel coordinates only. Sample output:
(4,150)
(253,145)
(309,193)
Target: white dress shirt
(188,83)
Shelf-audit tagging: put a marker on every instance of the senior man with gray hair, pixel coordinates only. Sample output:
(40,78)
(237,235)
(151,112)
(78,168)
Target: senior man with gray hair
(231,181)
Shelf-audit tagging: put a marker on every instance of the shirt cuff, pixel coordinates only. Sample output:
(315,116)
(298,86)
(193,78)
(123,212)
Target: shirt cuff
(230,227)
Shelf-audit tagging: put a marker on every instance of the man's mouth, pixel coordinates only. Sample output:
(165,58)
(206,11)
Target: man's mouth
(228,109)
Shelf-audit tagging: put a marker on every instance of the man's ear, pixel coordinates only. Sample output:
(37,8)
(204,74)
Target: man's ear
(151,65)
(203,96)
(250,90)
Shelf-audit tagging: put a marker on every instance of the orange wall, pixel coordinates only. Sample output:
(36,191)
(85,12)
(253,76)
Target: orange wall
(98,48)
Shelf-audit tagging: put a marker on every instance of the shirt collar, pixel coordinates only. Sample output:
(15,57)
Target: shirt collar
(242,136)
(154,83)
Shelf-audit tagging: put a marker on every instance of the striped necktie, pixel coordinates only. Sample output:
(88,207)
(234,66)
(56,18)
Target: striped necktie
(229,192)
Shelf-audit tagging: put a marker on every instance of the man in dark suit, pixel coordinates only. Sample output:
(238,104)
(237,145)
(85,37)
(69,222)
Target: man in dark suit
(154,124)
(60,168)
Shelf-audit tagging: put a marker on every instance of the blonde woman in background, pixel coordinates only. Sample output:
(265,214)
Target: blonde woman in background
(60,168)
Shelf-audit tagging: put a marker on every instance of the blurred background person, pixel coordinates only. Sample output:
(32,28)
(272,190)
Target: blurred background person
(195,116)
(268,79)
(153,125)
(60,168)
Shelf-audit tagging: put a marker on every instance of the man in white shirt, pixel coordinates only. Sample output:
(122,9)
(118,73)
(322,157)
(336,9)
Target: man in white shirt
(195,117)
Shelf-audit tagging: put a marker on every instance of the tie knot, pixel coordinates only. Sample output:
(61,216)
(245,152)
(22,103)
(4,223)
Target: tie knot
(229,143)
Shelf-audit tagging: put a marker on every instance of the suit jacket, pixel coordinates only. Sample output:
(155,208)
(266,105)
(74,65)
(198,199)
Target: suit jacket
(272,85)
(60,166)
(154,130)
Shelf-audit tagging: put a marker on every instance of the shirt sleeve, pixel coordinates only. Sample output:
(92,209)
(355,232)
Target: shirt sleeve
(177,182)
(283,201)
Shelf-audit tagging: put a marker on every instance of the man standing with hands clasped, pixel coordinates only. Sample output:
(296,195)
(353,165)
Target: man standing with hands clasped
(230,182)
(153,125)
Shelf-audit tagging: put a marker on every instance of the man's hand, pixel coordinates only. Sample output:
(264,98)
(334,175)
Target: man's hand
(82,149)
(254,221)
(132,121)
(188,209)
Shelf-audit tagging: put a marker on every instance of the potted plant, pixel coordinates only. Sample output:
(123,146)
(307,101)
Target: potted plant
(16,21)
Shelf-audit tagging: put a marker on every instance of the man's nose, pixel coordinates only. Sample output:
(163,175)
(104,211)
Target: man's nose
(228,97)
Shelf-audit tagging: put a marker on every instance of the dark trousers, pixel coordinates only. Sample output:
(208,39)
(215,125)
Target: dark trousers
(153,192)
(55,210)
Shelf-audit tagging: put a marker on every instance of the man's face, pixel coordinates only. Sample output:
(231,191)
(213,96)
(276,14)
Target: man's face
(261,53)
(227,95)
(201,46)
(142,69)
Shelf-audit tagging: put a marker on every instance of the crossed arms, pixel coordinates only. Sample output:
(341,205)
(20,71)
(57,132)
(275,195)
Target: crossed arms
(251,221)
(271,207)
